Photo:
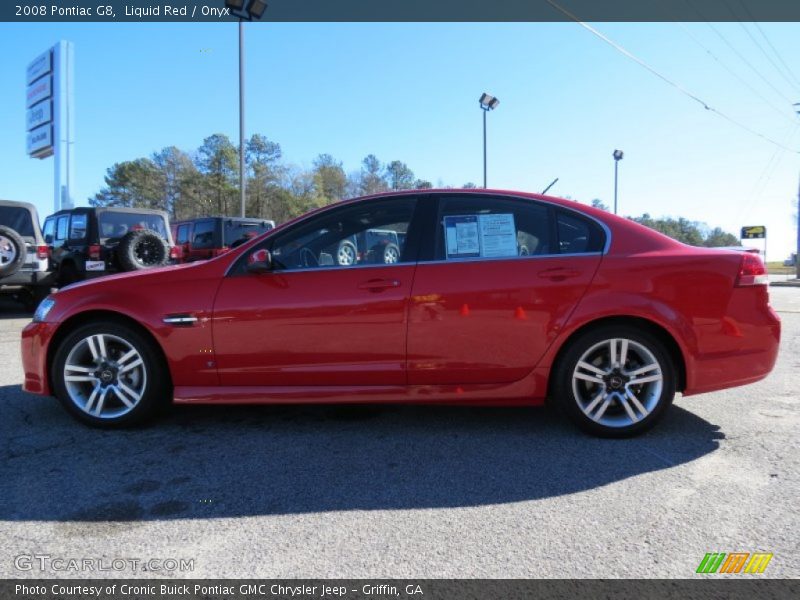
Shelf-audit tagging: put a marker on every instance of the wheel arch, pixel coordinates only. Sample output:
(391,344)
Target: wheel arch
(664,336)
(82,318)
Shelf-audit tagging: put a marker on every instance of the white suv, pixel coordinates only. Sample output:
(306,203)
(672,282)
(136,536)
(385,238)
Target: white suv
(23,254)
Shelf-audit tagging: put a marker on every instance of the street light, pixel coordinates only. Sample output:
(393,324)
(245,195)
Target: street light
(245,10)
(618,154)
(488,103)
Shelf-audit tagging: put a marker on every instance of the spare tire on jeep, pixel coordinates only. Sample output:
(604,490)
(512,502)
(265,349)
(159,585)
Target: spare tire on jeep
(12,251)
(141,249)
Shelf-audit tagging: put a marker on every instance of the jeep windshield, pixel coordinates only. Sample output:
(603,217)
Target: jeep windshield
(114,225)
(19,219)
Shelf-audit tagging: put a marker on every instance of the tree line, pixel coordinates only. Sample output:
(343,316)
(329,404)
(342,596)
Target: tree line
(206,182)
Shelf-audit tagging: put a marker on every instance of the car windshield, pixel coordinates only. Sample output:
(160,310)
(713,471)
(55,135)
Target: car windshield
(117,224)
(17,218)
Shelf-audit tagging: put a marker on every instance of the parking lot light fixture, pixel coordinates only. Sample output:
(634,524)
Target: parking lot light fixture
(487,102)
(618,154)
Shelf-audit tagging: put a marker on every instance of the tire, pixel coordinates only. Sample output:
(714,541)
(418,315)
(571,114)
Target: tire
(12,251)
(35,296)
(111,365)
(346,254)
(602,399)
(142,249)
(67,274)
(391,254)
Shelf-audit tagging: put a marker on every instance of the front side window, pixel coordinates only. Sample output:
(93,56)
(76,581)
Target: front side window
(49,230)
(492,228)
(77,226)
(369,233)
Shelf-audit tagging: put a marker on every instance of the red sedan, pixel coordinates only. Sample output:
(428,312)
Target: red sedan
(496,298)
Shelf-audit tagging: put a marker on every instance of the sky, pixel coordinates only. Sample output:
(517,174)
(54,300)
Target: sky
(409,91)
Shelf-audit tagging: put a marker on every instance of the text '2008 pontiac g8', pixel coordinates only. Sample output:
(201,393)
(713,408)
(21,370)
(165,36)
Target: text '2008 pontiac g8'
(467,297)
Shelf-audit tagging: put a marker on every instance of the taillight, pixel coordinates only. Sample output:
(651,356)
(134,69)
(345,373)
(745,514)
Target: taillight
(94,252)
(175,252)
(42,252)
(751,271)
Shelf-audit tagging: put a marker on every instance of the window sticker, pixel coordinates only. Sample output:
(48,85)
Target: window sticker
(480,236)
(462,236)
(498,235)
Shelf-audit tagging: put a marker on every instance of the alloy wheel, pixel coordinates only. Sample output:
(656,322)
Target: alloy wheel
(105,376)
(617,382)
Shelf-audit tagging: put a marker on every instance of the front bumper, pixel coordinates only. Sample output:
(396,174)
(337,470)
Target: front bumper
(35,342)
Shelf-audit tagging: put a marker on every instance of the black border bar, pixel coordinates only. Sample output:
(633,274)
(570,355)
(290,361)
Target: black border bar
(403,10)
(746,587)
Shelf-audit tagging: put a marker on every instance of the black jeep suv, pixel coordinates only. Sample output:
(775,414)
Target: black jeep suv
(89,242)
(23,253)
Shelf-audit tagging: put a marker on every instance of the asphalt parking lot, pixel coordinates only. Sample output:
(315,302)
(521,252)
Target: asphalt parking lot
(405,491)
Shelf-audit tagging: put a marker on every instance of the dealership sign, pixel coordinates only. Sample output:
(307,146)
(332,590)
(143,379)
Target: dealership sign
(755,232)
(40,141)
(38,91)
(39,102)
(41,65)
(38,115)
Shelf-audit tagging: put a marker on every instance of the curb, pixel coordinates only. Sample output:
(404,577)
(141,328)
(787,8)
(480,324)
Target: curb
(787,283)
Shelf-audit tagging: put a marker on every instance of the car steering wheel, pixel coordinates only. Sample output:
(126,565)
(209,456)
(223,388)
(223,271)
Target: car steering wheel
(308,258)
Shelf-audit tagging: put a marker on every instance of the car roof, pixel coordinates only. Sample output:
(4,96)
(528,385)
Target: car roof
(18,204)
(117,209)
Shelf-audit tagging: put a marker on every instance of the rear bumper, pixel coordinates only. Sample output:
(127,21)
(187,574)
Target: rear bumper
(35,342)
(28,279)
(755,342)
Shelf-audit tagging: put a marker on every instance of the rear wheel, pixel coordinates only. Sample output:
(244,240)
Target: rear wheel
(615,381)
(108,374)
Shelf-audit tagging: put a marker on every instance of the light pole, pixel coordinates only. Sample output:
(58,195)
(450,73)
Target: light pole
(797,248)
(618,154)
(487,103)
(249,10)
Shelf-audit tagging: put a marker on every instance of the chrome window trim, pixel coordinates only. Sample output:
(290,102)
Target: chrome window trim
(439,195)
(498,258)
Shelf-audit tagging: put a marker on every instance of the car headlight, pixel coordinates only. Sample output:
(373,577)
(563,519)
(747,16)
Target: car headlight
(44,307)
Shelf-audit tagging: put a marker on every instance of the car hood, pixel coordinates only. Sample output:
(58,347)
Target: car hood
(149,276)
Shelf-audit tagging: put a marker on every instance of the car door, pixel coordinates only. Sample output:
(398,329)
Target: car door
(503,278)
(311,321)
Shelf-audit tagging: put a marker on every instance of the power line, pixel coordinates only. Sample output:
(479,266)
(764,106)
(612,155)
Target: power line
(734,74)
(748,63)
(666,79)
(769,43)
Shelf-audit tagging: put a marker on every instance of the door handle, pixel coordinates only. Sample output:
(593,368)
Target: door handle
(558,274)
(377,285)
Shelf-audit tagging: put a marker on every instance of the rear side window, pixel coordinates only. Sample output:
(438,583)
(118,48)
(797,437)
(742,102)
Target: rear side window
(61,227)
(578,235)
(203,234)
(238,231)
(492,228)
(17,218)
(77,226)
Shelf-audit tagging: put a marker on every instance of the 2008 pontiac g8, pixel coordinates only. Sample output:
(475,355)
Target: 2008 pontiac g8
(487,297)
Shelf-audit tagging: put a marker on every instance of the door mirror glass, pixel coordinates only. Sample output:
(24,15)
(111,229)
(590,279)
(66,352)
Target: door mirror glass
(259,261)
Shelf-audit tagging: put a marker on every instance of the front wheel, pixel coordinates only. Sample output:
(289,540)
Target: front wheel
(108,374)
(615,381)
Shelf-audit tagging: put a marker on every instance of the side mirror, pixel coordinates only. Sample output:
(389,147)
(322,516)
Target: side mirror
(259,261)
